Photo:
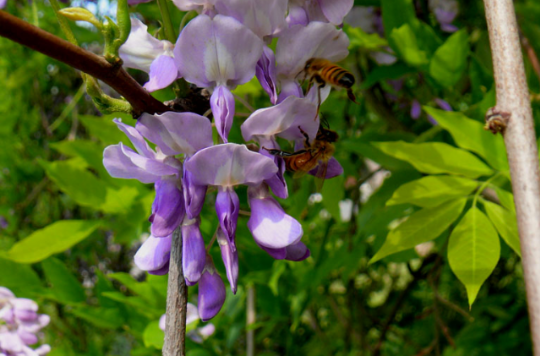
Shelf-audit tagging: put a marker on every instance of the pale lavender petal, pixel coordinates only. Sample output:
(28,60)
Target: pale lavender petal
(335,10)
(176,133)
(192,313)
(229,165)
(449,28)
(25,309)
(318,95)
(10,341)
(263,17)
(193,252)
(6,293)
(120,165)
(194,195)
(197,5)
(43,350)
(277,182)
(168,207)
(211,292)
(207,330)
(162,73)
(297,252)
(298,44)
(445,17)
(266,73)
(227,208)
(416,109)
(278,254)
(27,337)
(163,321)
(289,87)
(136,139)
(222,104)
(443,104)
(229,255)
(3,3)
(283,120)
(297,16)
(270,226)
(160,271)
(218,51)
(154,253)
(333,169)
(141,48)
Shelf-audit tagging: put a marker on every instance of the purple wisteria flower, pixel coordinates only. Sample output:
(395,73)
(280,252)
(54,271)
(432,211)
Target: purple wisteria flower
(298,44)
(445,11)
(154,255)
(20,325)
(304,11)
(211,291)
(201,6)
(145,52)
(218,54)
(198,335)
(3,3)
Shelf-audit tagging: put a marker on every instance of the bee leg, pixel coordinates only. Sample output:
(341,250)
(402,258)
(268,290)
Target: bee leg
(318,99)
(351,96)
(306,136)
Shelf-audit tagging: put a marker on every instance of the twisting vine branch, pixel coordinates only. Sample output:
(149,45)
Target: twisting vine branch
(514,108)
(50,45)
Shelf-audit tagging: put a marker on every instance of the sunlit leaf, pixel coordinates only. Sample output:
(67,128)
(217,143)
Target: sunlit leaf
(473,251)
(153,336)
(450,59)
(505,222)
(431,191)
(436,157)
(422,226)
(471,135)
(106,318)
(21,278)
(55,238)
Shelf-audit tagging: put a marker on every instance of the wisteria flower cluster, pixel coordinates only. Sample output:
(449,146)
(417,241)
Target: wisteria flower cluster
(20,325)
(225,46)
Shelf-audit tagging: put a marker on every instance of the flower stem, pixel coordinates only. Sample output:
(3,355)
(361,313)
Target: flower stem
(167,23)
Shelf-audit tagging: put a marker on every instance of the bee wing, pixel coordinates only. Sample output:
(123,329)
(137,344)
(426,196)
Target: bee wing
(320,175)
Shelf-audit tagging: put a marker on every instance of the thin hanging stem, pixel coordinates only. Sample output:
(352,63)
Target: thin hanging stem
(514,107)
(170,34)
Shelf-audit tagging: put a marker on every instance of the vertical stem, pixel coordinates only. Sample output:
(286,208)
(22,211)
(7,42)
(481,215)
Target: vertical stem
(175,328)
(251,316)
(167,23)
(519,137)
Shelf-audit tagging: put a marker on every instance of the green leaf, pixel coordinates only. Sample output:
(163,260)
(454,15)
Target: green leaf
(450,59)
(63,284)
(431,191)
(105,129)
(422,226)
(333,192)
(21,279)
(471,135)
(153,336)
(473,251)
(406,46)
(505,222)
(359,39)
(106,318)
(506,198)
(396,13)
(380,73)
(436,157)
(119,200)
(55,238)
(143,289)
(140,304)
(81,185)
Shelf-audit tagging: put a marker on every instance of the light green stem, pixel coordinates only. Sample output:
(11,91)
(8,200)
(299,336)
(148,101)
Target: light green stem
(167,23)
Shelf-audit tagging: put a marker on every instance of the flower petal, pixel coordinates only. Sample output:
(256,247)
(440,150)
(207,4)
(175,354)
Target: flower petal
(283,120)
(335,10)
(334,169)
(276,253)
(298,44)
(227,208)
(168,207)
(119,165)
(297,252)
(266,73)
(141,48)
(229,255)
(222,104)
(229,165)
(193,252)
(163,72)
(194,195)
(211,292)
(154,253)
(176,133)
(270,226)
(289,87)
(218,51)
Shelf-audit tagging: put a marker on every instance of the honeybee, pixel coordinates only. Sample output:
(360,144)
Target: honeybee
(314,154)
(322,72)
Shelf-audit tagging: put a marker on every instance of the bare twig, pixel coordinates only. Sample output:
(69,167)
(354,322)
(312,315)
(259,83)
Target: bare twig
(454,307)
(519,137)
(175,328)
(114,75)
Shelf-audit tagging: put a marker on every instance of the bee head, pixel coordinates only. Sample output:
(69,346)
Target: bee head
(308,64)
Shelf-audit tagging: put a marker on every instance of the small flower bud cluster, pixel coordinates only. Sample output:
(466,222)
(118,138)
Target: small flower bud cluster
(226,45)
(20,325)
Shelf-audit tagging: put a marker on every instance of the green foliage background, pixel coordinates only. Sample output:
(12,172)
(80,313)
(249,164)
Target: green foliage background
(71,230)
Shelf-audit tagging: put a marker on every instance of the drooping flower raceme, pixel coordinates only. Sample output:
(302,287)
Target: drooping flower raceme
(218,54)
(145,52)
(20,325)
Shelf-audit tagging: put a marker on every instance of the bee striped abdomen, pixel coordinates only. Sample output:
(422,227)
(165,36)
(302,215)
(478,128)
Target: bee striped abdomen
(346,80)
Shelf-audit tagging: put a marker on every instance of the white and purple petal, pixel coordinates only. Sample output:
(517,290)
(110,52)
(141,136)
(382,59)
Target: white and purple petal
(168,207)
(154,253)
(266,73)
(163,72)
(229,255)
(223,106)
